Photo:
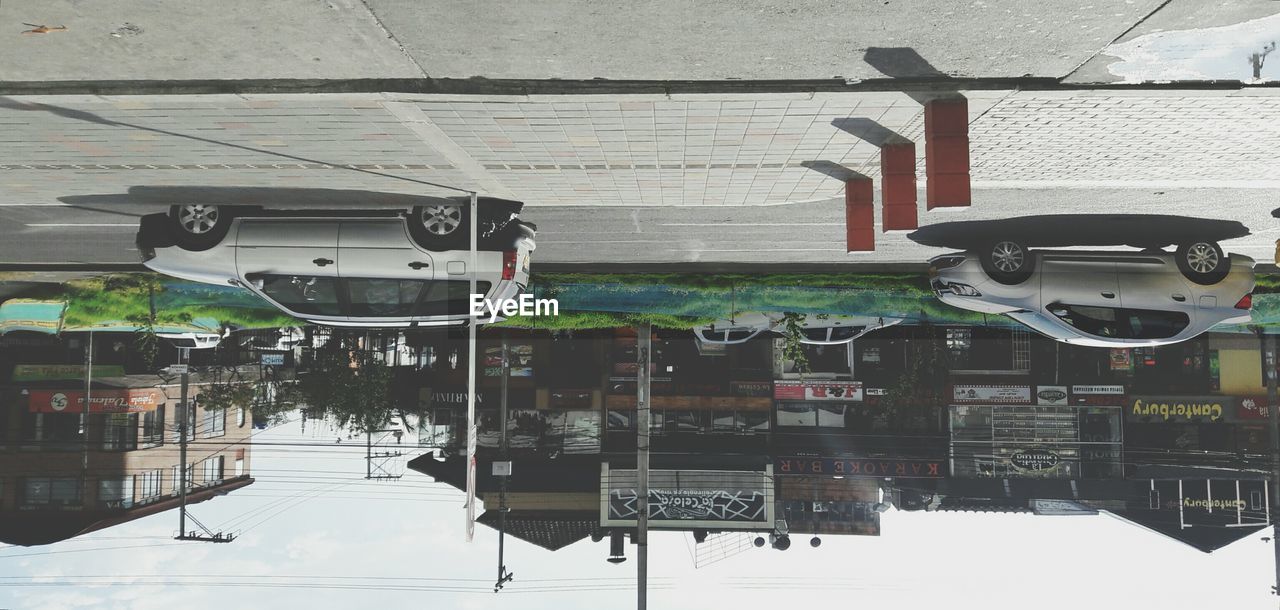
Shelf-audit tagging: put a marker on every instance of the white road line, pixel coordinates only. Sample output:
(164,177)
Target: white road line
(34,205)
(730,223)
(132,225)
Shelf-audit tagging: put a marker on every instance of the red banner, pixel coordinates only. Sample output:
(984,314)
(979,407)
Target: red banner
(100,401)
(1252,407)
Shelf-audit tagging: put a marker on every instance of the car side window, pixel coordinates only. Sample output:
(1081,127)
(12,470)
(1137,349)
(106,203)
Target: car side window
(1097,321)
(449,297)
(814,334)
(1148,324)
(383,298)
(841,333)
(738,335)
(304,294)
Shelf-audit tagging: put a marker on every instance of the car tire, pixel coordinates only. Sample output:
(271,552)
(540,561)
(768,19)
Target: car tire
(1007,262)
(199,226)
(445,226)
(1202,262)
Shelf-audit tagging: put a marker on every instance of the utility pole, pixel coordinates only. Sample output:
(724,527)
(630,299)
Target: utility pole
(184,424)
(471,374)
(503,448)
(1257,60)
(1273,406)
(644,344)
(84,413)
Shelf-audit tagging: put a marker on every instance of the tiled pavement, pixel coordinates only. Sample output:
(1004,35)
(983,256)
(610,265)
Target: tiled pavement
(694,150)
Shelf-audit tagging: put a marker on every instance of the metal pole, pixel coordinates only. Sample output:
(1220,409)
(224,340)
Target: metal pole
(644,343)
(504,449)
(84,413)
(368,454)
(1273,406)
(182,458)
(471,374)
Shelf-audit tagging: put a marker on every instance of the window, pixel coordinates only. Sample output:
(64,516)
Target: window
(50,492)
(842,333)
(115,493)
(1121,323)
(152,433)
(738,335)
(120,432)
(213,423)
(240,417)
(449,297)
(814,334)
(212,470)
(149,484)
(384,298)
(177,474)
(304,294)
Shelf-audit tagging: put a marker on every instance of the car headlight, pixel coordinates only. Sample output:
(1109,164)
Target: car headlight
(946,262)
(964,290)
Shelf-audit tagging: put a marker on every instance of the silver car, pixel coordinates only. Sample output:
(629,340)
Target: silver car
(815,329)
(1102,299)
(379,268)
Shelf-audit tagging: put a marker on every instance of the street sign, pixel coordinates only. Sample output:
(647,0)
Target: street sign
(178,369)
(271,359)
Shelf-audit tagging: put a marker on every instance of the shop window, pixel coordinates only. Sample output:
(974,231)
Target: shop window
(621,421)
(798,414)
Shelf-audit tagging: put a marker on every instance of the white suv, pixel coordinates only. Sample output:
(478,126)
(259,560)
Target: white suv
(371,268)
(1101,298)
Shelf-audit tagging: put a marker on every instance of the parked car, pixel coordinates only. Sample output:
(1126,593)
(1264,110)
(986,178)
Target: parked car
(1101,298)
(740,329)
(371,268)
(814,329)
(192,340)
(837,330)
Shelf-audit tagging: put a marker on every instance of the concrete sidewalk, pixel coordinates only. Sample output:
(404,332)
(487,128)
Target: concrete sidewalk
(566,39)
(696,150)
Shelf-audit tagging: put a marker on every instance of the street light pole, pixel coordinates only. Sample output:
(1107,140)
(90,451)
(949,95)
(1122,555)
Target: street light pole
(182,457)
(1273,406)
(644,344)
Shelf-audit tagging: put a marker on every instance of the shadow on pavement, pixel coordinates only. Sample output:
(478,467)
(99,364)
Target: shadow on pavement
(1134,230)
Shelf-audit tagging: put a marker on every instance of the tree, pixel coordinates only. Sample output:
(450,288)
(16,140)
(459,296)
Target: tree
(350,386)
(793,347)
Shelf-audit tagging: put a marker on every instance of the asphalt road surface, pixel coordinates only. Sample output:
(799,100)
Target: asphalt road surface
(33,236)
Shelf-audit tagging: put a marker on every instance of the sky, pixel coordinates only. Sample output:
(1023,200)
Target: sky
(310,521)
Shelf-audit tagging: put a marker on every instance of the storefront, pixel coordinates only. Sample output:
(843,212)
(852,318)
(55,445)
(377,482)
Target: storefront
(1014,431)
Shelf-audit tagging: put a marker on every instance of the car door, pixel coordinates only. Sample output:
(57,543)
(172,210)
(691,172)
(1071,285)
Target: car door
(292,262)
(287,246)
(1078,279)
(381,248)
(1155,283)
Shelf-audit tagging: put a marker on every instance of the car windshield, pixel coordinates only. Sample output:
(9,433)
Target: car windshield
(814,334)
(307,295)
(1119,323)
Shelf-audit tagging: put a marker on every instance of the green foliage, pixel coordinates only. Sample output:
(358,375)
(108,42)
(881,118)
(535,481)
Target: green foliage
(350,387)
(920,387)
(793,348)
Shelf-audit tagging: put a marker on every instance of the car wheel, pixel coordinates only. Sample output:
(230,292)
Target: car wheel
(445,226)
(198,226)
(1202,262)
(1007,262)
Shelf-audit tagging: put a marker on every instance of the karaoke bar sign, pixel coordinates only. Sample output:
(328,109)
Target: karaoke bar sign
(100,401)
(858,467)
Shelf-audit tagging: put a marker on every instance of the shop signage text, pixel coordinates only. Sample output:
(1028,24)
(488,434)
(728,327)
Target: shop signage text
(818,390)
(992,394)
(1051,395)
(1178,408)
(100,401)
(1034,459)
(854,467)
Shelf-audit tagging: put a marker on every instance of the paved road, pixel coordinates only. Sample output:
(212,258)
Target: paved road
(807,233)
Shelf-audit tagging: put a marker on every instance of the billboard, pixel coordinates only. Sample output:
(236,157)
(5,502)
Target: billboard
(1179,409)
(817,390)
(991,394)
(854,467)
(132,400)
(726,499)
